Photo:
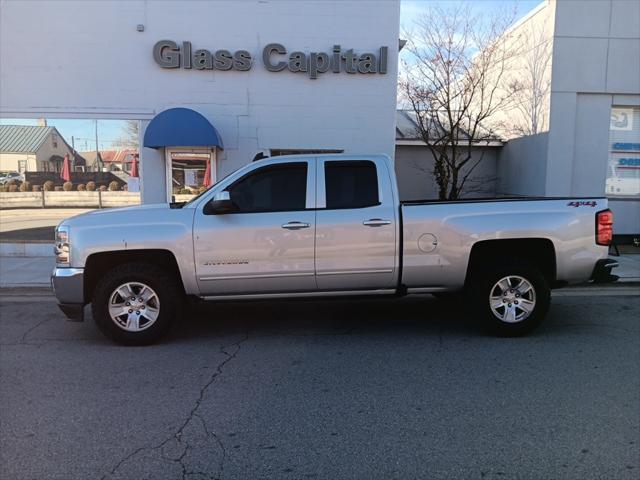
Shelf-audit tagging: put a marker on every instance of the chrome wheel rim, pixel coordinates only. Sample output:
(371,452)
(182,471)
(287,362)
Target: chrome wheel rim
(134,306)
(512,299)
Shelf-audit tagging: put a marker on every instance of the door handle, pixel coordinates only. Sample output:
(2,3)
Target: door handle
(295,225)
(376,222)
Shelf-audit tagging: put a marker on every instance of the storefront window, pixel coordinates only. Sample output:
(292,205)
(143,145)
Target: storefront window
(189,170)
(623,173)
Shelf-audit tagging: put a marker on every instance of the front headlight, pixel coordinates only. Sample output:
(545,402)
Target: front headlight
(62,247)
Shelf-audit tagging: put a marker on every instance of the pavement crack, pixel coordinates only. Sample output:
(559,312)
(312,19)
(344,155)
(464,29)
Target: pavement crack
(230,356)
(230,351)
(23,339)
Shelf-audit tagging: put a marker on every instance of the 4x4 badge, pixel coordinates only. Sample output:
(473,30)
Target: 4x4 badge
(590,203)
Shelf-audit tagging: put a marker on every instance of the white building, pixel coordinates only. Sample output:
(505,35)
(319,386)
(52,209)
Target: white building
(229,68)
(592,146)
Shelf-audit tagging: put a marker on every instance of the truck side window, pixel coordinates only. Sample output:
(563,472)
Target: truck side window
(351,184)
(274,188)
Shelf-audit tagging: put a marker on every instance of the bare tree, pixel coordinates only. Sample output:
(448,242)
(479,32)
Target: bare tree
(531,83)
(451,83)
(130,135)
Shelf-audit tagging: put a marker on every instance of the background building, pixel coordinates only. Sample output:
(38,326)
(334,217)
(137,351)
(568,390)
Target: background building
(414,164)
(573,128)
(219,107)
(592,146)
(32,148)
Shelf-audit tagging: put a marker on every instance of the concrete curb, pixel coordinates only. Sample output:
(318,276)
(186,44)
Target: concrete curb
(26,249)
(631,282)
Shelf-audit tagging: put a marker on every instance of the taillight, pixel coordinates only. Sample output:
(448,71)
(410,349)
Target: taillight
(604,227)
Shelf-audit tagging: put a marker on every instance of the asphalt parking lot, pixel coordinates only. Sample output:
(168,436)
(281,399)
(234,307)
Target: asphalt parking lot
(381,389)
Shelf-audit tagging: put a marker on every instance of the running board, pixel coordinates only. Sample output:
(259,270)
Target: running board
(268,296)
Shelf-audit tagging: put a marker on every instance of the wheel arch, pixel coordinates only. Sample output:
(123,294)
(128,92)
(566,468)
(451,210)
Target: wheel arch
(539,251)
(98,264)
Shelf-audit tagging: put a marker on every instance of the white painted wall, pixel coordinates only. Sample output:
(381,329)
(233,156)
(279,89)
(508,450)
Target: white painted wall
(86,60)
(529,43)
(522,165)
(9,162)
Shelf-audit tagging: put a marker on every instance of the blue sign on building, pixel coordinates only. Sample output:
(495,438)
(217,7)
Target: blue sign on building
(629,162)
(626,146)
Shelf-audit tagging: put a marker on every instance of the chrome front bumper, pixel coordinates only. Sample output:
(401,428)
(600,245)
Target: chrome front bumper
(68,287)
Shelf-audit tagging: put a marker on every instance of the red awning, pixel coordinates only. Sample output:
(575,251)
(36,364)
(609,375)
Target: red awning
(66,169)
(207,174)
(134,165)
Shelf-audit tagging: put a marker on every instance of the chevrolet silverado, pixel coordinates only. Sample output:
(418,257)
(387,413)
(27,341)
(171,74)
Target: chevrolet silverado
(325,226)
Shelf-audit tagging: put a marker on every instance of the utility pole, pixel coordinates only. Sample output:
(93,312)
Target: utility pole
(98,162)
(73,151)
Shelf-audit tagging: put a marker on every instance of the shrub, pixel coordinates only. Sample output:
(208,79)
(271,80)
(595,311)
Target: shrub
(2,189)
(103,188)
(185,191)
(91,186)
(13,187)
(48,186)
(125,188)
(67,186)
(36,188)
(25,186)
(57,188)
(114,186)
(11,182)
(81,187)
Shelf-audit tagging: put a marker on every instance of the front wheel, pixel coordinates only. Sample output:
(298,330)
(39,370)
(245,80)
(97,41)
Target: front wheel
(512,299)
(135,303)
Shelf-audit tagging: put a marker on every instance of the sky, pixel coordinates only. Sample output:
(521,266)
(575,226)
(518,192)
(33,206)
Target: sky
(410,9)
(83,131)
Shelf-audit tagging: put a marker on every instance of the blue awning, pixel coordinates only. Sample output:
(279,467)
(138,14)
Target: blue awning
(181,127)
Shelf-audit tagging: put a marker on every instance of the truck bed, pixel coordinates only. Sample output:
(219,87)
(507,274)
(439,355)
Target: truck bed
(439,236)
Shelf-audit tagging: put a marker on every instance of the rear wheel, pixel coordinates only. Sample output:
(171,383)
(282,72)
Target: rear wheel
(512,299)
(135,303)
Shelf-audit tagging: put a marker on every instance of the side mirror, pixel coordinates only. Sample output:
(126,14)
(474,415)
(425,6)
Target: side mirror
(220,204)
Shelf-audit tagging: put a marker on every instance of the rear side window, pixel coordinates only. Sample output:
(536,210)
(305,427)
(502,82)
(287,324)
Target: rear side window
(276,188)
(351,184)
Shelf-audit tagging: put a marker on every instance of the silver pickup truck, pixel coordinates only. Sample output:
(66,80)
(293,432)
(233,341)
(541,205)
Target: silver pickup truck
(323,226)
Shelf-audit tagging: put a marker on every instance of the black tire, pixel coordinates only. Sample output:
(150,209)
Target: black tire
(482,288)
(162,283)
(450,297)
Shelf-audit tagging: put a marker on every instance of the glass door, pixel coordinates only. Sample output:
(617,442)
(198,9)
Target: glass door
(189,171)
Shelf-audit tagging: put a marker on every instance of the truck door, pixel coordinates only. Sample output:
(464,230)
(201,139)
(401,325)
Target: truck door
(356,225)
(266,244)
